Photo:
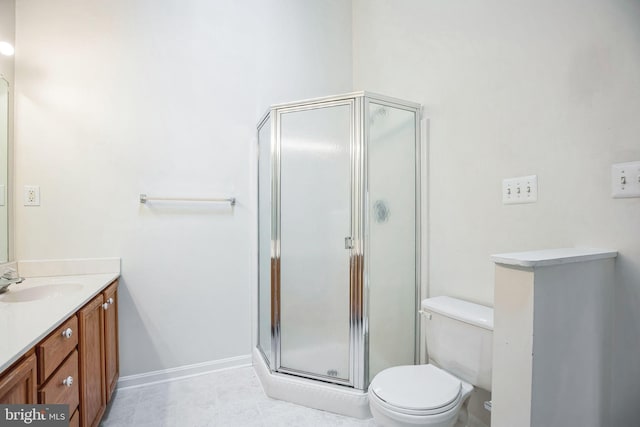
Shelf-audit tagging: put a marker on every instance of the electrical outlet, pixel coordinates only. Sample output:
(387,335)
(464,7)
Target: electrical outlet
(31,195)
(523,189)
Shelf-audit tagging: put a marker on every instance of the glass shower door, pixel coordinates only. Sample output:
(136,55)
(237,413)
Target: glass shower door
(315,218)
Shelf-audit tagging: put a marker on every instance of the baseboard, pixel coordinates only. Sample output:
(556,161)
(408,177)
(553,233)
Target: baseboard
(171,374)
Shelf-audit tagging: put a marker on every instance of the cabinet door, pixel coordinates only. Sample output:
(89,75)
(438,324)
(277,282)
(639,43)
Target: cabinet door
(111,338)
(18,385)
(91,348)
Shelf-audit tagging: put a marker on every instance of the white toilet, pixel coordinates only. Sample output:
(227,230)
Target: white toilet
(459,344)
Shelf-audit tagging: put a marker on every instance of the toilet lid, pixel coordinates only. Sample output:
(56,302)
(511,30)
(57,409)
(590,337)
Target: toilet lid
(416,387)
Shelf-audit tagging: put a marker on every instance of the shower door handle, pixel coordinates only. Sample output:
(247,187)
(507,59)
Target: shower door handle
(348,243)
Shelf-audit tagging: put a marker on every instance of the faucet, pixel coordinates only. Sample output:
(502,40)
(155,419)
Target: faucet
(8,278)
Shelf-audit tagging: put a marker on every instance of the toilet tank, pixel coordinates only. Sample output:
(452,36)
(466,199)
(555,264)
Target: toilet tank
(460,338)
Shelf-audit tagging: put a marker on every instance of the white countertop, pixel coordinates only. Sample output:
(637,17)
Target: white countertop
(548,257)
(24,324)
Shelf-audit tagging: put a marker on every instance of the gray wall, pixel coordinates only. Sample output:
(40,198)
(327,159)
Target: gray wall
(7,34)
(518,88)
(117,98)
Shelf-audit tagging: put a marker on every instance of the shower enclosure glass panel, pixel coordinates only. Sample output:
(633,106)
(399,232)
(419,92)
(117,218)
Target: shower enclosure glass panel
(264,237)
(392,224)
(315,218)
(339,237)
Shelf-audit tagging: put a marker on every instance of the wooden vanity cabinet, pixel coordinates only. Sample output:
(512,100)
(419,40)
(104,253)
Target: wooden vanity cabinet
(98,348)
(76,364)
(18,383)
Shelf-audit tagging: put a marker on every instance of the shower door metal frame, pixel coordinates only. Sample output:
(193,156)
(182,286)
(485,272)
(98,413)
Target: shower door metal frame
(274,268)
(358,281)
(355,253)
(416,109)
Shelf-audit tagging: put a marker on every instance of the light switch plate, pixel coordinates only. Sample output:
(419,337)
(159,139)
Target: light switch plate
(625,180)
(522,189)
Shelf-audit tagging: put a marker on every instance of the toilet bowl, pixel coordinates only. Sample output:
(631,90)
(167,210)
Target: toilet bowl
(417,395)
(459,337)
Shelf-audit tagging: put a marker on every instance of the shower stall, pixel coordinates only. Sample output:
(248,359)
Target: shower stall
(338,238)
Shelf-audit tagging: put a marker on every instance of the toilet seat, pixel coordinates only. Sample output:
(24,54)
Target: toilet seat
(417,413)
(417,390)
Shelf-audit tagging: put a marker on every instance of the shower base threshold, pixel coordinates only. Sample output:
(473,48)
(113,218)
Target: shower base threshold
(310,393)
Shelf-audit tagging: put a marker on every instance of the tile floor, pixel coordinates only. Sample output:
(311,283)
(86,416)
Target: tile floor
(230,398)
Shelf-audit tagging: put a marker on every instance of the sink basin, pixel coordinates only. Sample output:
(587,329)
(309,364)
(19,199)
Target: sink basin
(39,292)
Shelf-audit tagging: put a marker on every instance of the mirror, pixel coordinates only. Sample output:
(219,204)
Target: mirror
(4,175)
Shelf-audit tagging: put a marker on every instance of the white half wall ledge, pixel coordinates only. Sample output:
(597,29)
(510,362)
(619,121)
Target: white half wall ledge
(181,372)
(548,257)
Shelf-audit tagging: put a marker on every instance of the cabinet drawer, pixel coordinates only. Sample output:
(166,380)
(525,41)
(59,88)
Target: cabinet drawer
(75,419)
(56,389)
(55,348)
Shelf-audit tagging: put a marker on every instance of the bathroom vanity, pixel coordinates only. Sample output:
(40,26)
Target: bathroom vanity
(60,343)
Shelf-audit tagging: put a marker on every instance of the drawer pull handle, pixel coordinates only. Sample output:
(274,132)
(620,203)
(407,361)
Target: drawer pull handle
(68,381)
(110,301)
(105,305)
(67,333)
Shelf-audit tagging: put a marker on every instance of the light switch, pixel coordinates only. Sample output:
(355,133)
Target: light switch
(625,180)
(523,189)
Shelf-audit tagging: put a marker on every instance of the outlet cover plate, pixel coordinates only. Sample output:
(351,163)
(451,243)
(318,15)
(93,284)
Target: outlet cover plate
(31,195)
(522,189)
